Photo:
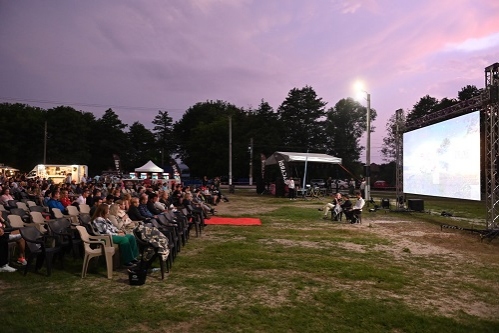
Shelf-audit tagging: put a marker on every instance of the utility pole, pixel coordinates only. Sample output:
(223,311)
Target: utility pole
(45,144)
(231,188)
(251,163)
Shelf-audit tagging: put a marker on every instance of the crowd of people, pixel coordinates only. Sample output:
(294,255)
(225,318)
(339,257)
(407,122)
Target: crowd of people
(117,211)
(114,210)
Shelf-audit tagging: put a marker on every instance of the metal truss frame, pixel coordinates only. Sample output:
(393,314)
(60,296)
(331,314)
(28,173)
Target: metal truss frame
(488,104)
(399,190)
(491,110)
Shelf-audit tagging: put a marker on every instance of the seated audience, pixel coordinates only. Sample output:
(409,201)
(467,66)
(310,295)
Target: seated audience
(97,201)
(54,202)
(143,209)
(151,204)
(14,235)
(5,197)
(127,243)
(198,202)
(134,212)
(82,199)
(126,201)
(194,210)
(64,198)
(122,218)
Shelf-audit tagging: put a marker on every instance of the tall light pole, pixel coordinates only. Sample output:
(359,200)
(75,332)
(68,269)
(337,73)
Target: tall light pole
(367,190)
(368,149)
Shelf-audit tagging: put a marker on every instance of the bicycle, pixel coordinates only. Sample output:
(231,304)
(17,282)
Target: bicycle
(314,192)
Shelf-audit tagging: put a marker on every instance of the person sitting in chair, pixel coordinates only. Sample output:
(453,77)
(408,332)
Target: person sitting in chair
(353,214)
(346,204)
(336,202)
(54,202)
(127,243)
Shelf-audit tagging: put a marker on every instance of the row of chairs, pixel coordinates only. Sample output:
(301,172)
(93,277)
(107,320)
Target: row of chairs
(59,232)
(175,226)
(43,244)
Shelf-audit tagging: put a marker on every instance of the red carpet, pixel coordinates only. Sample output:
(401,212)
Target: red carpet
(233,220)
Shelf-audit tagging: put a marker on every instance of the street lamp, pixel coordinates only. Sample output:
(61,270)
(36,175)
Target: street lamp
(360,90)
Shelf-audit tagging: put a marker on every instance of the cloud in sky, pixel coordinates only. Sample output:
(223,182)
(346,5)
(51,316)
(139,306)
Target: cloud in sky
(476,44)
(171,55)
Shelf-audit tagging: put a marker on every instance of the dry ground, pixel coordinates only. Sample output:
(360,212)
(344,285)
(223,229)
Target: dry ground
(410,240)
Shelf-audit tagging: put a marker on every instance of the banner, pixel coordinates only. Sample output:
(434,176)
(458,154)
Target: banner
(283,165)
(177,173)
(117,164)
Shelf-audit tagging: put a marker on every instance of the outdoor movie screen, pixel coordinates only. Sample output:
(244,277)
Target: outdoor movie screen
(444,159)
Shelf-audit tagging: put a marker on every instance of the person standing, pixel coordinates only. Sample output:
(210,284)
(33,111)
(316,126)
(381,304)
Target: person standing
(351,186)
(292,188)
(363,187)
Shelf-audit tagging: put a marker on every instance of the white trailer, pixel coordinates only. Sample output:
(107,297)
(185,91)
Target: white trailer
(58,172)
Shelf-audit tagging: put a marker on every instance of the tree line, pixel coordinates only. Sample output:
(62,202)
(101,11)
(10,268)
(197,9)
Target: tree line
(201,136)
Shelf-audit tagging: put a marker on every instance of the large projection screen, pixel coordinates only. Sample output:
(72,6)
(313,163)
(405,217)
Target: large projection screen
(444,159)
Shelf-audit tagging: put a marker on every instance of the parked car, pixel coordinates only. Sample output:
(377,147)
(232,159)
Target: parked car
(342,185)
(318,182)
(381,184)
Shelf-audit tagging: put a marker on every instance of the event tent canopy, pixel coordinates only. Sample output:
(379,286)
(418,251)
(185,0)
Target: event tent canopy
(149,167)
(302,157)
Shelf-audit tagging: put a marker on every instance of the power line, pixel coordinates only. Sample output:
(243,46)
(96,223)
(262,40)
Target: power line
(92,105)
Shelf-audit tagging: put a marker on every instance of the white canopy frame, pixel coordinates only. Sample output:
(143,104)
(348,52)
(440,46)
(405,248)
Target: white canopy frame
(303,157)
(149,167)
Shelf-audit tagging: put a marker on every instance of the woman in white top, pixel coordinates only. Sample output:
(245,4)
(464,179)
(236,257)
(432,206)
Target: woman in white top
(123,221)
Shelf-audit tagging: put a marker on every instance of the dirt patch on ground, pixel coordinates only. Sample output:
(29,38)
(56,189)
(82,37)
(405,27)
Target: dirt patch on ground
(409,241)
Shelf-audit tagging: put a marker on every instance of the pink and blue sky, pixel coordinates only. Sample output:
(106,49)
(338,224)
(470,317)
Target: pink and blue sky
(139,57)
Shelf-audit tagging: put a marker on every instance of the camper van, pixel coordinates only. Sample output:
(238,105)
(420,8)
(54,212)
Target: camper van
(58,172)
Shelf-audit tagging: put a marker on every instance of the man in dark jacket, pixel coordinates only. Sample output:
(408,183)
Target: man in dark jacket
(134,212)
(151,204)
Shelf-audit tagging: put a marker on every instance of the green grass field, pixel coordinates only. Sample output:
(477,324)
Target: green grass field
(397,272)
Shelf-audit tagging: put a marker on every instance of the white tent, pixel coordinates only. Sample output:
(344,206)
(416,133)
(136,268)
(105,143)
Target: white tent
(149,167)
(302,157)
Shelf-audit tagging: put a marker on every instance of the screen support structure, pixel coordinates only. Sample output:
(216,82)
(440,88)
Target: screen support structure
(399,191)
(491,113)
(488,103)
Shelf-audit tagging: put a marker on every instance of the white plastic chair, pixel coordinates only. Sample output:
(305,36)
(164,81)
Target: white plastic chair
(31,203)
(104,247)
(39,221)
(84,209)
(73,213)
(57,213)
(23,206)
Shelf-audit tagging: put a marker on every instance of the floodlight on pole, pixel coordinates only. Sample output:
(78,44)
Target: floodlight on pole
(360,90)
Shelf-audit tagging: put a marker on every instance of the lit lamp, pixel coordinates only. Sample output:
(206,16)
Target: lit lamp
(360,93)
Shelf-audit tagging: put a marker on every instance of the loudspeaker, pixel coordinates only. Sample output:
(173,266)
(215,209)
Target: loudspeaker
(416,205)
(385,203)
